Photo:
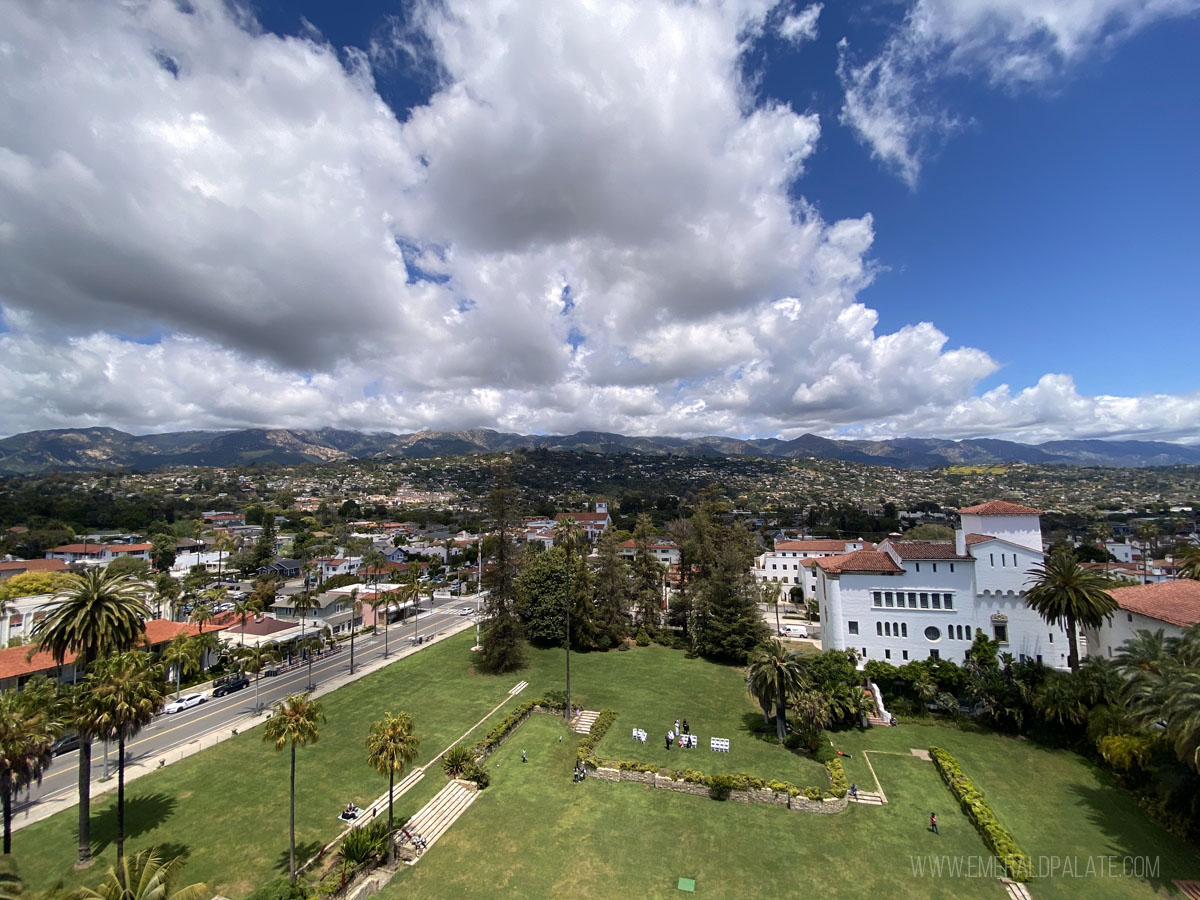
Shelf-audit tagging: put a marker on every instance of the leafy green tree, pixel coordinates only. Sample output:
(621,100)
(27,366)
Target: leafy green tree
(97,613)
(125,691)
(1061,701)
(144,876)
(28,727)
(1190,563)
(254,513)
(392,746)
(502,640)
(542,597)
(30,584)
(648,575)
(294,722)
(769,661)
(1066,594)
(929,532)
(813,715)
(613,593)
(263,551)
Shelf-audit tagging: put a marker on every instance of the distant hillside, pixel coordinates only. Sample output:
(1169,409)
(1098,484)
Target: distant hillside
(101,448)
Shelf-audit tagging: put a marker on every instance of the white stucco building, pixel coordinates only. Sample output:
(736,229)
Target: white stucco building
(792,563)
(911,600)
(1168,606)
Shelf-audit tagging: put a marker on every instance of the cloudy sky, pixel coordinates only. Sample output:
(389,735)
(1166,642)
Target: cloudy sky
(953,218)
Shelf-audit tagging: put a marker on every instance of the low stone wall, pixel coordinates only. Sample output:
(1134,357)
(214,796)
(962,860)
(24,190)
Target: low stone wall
(758,795)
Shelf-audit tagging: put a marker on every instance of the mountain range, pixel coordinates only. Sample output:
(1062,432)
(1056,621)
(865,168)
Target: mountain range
(105,448)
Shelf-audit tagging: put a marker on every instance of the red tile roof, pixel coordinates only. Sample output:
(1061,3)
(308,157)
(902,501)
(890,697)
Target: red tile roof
(817,545)
(583,518)
(33,565)
(128,548)
(860,561)
(1175,602)
(925,550)
(90,549)
(978,538)
(999,508)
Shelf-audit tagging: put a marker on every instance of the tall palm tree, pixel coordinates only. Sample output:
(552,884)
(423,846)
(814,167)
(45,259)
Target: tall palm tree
(253,659)
(125,692)
(1066,594)
(243,610)
(181,656)
(96,613)
(144,876)
(28,727)
(356,609)
(772,592)
(304,603)
(566,532)
(770,657)
(1190,563)
(1146,650)
(391,748)
(202,614)
(224,544)
(294,721)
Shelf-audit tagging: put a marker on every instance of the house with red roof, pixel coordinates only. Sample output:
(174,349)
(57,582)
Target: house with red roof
(1167,606)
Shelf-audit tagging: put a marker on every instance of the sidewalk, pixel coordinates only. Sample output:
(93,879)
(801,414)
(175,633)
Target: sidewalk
(46,808)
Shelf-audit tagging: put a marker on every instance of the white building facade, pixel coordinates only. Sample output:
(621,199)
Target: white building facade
(911,600)
(1170,607)
(791,563)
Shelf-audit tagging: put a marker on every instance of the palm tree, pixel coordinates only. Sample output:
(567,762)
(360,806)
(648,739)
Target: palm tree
(124,693)
(1066,594)
(1189,566)
(303,604)
(356,609)
(391,748)
(243,610)
(1146,650)
(812,716)
(224,543)
(1059,700)
(253,659)
(772,591)
(566,532)
(144,876)
(181,656)
(770,657)
(97,613)
(28,728)
(293,722)
(202,613)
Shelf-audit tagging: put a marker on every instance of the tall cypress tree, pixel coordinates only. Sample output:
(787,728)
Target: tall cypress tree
(613,594)
(647,575)
(502,639)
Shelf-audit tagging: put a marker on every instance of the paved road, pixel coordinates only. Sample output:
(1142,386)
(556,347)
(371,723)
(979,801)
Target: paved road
(170,732)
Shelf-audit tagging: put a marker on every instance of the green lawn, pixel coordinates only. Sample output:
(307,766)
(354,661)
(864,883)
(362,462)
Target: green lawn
(226,808)
(535,833)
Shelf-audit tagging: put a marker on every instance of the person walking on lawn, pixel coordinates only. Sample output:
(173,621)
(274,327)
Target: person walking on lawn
(933,823)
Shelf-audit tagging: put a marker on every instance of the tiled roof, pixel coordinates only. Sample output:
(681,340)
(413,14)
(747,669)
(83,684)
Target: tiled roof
(1176,602)
(865,561)
(78,548)
(925,550)
(583,518)
(33,565)
(128,548)
(978,538)
(815,546)
(631,544)
(999,508)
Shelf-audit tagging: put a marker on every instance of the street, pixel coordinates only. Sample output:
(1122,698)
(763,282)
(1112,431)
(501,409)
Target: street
(168,732)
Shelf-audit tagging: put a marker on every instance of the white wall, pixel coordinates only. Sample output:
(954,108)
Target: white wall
(1023,530)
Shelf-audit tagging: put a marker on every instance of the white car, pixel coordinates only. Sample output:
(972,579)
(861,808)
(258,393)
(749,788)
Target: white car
(187,701)
(466,611)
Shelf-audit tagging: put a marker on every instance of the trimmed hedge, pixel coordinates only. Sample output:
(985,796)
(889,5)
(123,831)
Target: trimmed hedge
(586,753)
(998,838)
(838,785)
(491,741)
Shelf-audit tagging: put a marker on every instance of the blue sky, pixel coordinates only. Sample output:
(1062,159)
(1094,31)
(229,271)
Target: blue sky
(372,216)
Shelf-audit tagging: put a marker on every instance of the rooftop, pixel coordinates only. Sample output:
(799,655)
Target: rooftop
(999,508)
(865,561)
(1174,602)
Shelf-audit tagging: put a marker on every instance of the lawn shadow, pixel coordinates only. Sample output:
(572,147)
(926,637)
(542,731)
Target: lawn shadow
(1131,838)
(304,852)
(143,813)
(169,850)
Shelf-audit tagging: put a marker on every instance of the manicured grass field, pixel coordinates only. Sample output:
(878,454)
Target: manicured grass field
(226,808)
(535,833)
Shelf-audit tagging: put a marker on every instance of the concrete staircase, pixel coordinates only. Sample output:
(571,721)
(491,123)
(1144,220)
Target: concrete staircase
(583,723)
(436,816)
(875,720)
(1018,891)
(868,798)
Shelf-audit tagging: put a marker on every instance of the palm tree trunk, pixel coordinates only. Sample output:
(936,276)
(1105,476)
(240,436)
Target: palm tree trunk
(85,804)
(1073,645)
(391,783)
(567,709)
(292,821)
(780,706)
(7,791)
(120,800)
(351,642)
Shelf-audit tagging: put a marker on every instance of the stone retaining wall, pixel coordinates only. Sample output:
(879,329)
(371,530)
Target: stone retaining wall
(757,795)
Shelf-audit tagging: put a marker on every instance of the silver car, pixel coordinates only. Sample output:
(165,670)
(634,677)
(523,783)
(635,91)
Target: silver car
(187,701)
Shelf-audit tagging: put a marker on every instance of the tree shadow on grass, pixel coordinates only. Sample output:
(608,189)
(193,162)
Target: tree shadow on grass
(304,852)
(143,812)
(169,850)
(1131,836)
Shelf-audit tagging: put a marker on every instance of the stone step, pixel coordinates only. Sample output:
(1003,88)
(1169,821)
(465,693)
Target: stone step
(1189,889)
(869,798)
(435,818)
(583,724)
(876,720)
(1016,890)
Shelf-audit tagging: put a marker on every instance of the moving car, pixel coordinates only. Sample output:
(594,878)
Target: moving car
(187,701)
(65,744)
(466,611)
(230,683)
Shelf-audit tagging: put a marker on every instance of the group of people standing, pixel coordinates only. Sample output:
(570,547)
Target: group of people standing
(677,733)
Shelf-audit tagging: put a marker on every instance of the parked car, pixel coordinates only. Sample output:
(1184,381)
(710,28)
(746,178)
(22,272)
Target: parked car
(187,701)
(793,631)
(230,683)
(65,744)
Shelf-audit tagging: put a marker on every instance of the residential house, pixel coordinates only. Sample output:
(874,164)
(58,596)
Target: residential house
(11,567)
(792,562)
(664,551)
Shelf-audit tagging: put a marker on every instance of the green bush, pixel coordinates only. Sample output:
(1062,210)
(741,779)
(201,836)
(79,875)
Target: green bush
(794,741)
(477,774)
(838,785)
(624,645)
(494,738)
(630,765)
(457,760)
(365,844)
(812,792)
(996,836)
(281,889)
(720,786)
(824,754)
(553,700)
(642,639)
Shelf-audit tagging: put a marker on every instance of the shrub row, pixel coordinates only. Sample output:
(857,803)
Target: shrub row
(838,785)
(494,738)
(996,836)
(586,753)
